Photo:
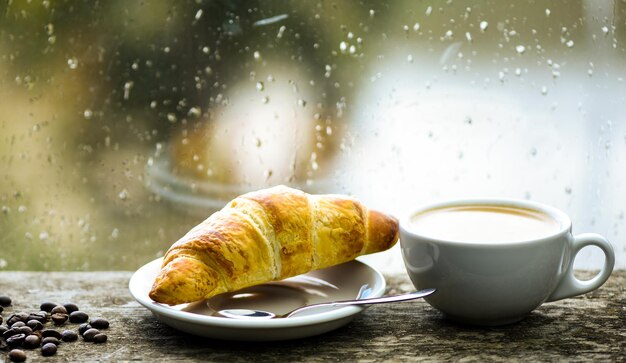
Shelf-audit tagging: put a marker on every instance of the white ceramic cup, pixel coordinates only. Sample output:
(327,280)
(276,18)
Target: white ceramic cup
(499,283)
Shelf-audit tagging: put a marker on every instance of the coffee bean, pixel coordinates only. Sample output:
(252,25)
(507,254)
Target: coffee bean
(9,332)
(83,328)
(1,310)
(50,333)
(48,349)
(5,300)
(35,324)
(3,329)
(58,309)
(15,340)
(47,306)
(24,330)
(69,336)
(99,338)
(41,317)
(59,318)
(89,334)
(52,340)
(14,318)
(78,317)
(17,355)
(18,324)
(70,307)
(32,341)
(99,323)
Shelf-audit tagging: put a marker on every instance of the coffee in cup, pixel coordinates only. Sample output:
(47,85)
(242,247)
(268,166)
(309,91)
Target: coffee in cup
(493,261)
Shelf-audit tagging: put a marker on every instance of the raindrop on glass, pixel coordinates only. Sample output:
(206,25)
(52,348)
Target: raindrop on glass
(257,55)
(260,86)
(87,114)
(72,63)
(483,25)
(520,49)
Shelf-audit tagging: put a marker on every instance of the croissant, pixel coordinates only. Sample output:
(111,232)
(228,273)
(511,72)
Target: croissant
(267,235)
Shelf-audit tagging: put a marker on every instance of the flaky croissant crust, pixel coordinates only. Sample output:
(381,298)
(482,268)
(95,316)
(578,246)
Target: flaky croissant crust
(268,235)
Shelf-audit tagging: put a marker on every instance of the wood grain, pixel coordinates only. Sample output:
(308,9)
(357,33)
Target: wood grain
(587,328)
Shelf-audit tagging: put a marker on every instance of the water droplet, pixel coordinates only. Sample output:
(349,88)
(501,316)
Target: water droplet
(416,27)
(198,14)
(352,49)
(520,49)
(128,86)
(533,151)
(544,90)
(343,47)
(409,58)
(568,190)
(405,28)
(429,10)
(123,195)
(501,76)
(206,50)
(483,25)
(265,100)
(301,102)
(468,36)
(569,43)
(329,130)
(72,63)
(87,114)
(372,13)
(115,233)
(171,117)
(43,235)
(21,209)
(195,111)
(548,12)
(257,55)
(281,31)
(518,72)
(3,263)
(260,86)
(605,30)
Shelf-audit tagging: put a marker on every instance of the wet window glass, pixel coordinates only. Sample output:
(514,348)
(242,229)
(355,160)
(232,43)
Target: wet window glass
(123,124)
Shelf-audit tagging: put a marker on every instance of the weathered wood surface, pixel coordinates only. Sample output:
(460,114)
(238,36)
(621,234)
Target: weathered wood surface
(588,328)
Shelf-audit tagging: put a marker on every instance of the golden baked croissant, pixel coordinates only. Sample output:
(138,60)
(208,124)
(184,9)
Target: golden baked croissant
(268,235)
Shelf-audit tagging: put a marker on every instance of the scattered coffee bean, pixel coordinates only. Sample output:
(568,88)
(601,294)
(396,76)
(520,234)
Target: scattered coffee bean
(48,349)
(78,317)
(51,333)
(32,341)
(99,338)
(17,355)
(58,309)
(59,318)
(99,323)
(35,324)
(24,330)
(9,332)
(5,300)
(47,306)
(69,336)
(52,340)
(15,340)
(3,329)
(70,307)
(14,318)
(89,334)
(41,317)
(18,324)
(83,328)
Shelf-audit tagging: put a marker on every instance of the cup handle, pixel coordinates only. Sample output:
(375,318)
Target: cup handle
(571,286)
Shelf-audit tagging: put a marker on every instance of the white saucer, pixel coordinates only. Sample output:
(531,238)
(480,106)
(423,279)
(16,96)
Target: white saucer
(340,282)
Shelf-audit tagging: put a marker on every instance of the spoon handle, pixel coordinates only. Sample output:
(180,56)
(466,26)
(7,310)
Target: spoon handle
(376,300)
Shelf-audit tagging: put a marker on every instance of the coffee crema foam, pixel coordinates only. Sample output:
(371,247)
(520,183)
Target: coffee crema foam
(484,223)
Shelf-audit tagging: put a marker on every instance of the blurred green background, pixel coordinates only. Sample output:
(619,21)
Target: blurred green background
(125,123)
